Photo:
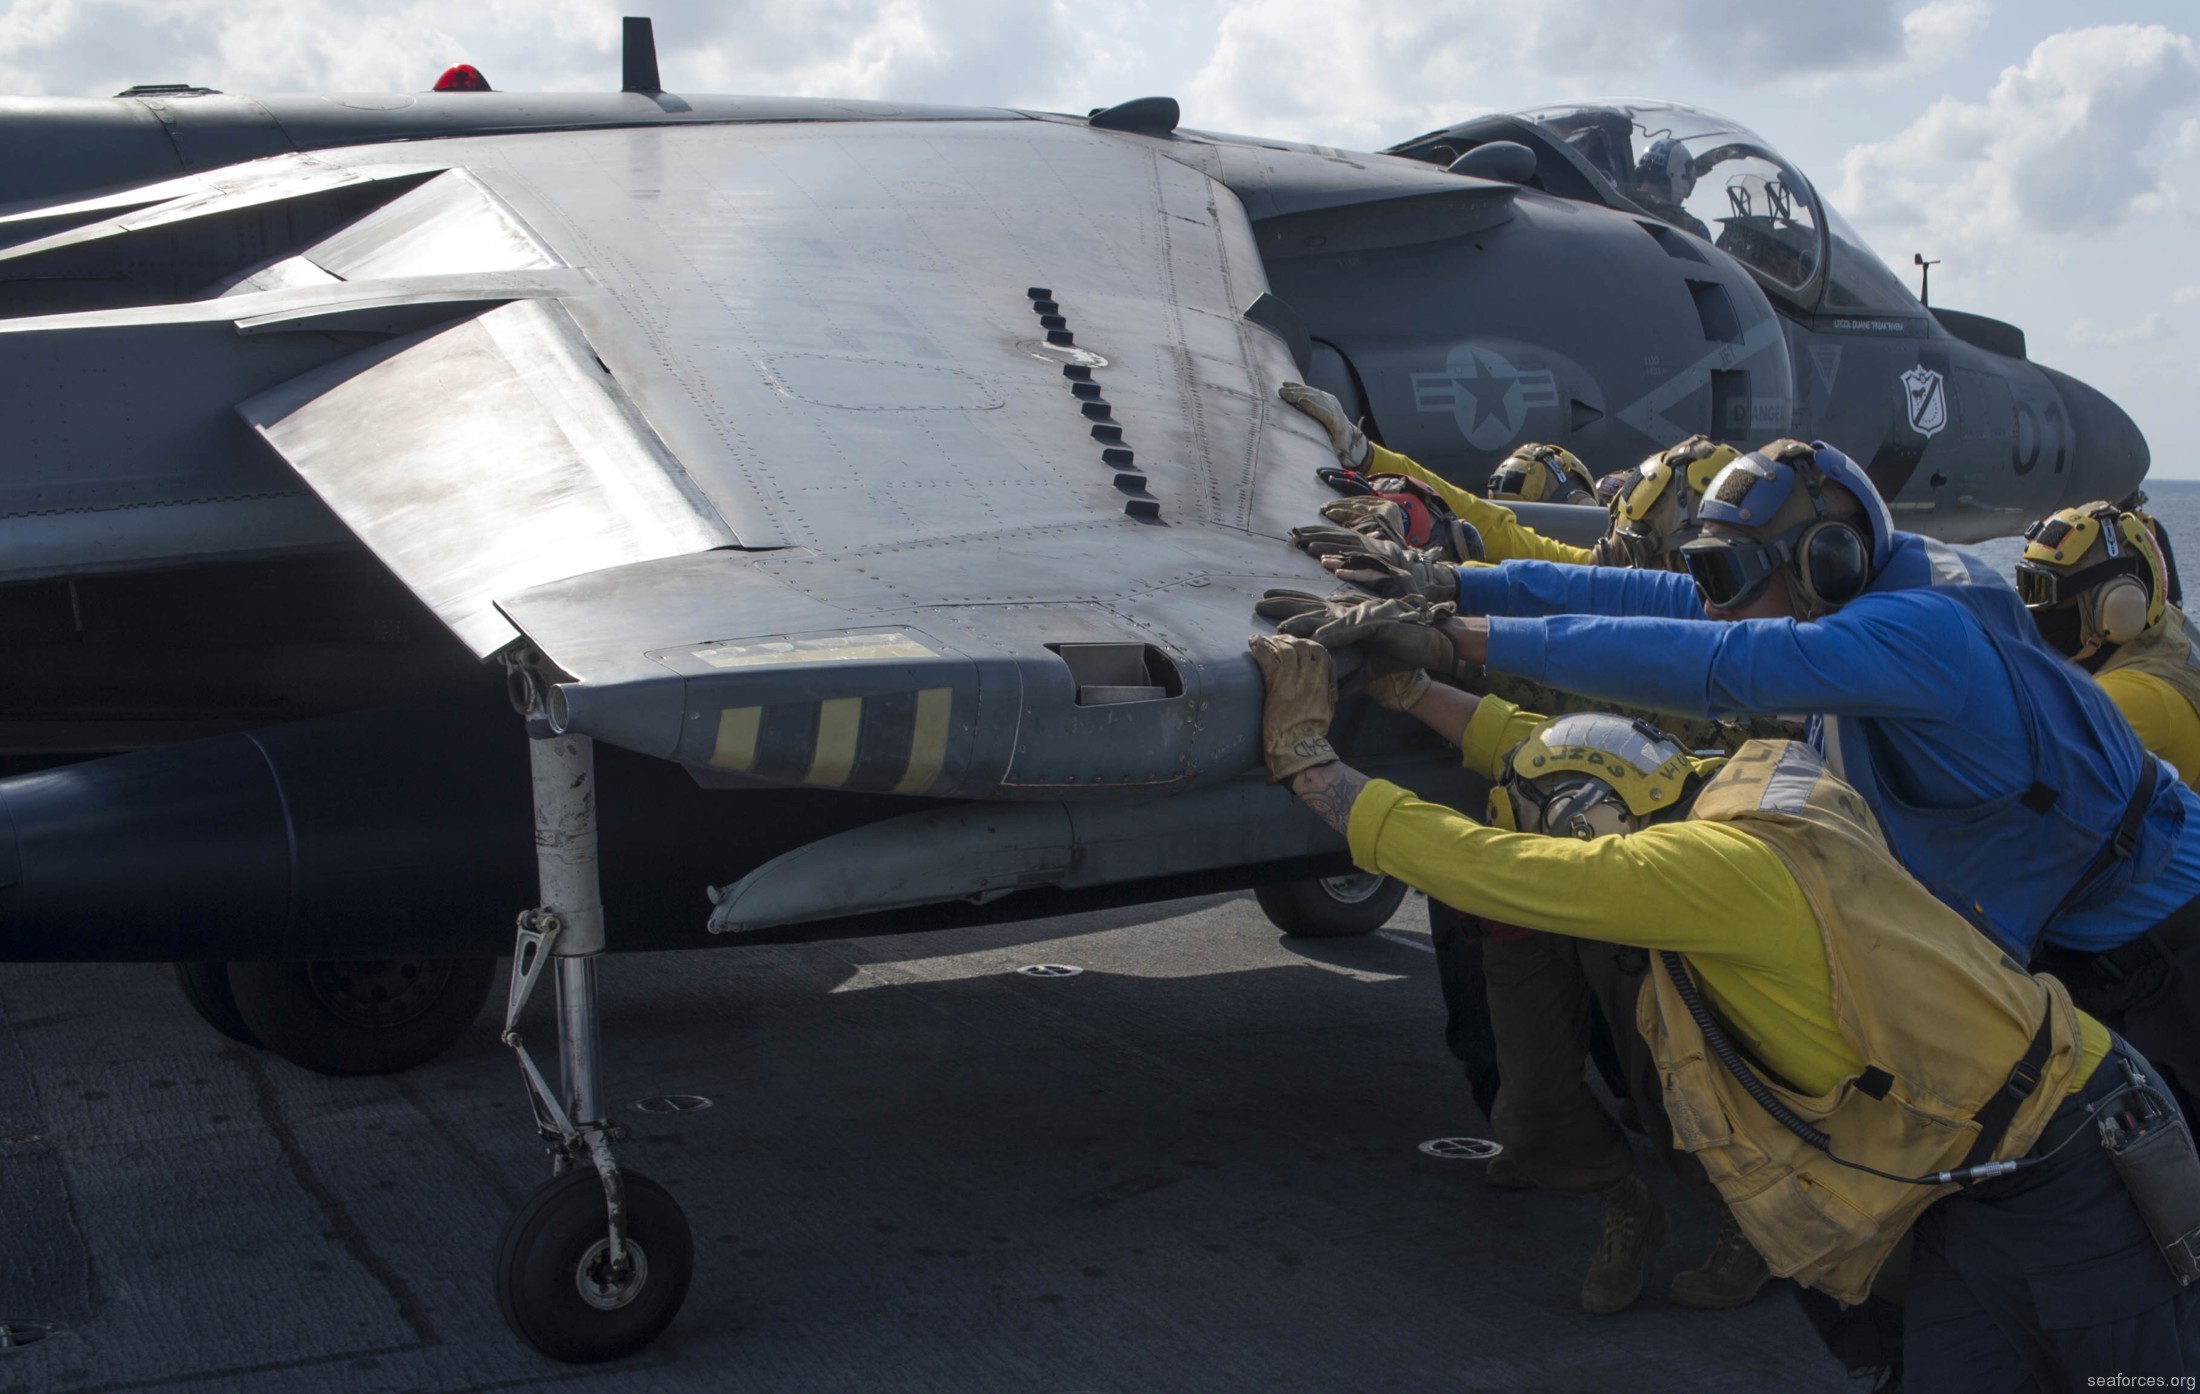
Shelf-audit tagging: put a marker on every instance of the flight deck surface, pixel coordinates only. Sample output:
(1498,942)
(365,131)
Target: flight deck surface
(1192,1166)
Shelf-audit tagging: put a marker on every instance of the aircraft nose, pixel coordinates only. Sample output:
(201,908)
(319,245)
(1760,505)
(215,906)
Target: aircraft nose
(2107,449)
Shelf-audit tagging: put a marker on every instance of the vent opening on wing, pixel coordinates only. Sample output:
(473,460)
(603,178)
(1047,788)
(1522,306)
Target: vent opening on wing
(1110,673)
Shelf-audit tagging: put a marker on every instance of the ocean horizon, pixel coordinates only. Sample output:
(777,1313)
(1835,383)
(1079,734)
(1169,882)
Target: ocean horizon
(2175,503)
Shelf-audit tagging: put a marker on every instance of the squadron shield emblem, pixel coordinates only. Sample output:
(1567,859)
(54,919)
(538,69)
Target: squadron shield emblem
(1926,395)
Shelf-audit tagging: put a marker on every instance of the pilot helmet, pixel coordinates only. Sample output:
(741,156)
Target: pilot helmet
(1665,172)
(1656,508)
(1542,474)
(1592,774)
(2093,578)
(1803,508)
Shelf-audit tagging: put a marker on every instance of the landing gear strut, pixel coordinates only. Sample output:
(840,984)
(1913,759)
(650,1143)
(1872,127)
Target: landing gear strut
(595,1265)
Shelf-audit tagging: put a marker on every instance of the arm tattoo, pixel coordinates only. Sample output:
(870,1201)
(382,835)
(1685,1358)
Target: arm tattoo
(1330,791)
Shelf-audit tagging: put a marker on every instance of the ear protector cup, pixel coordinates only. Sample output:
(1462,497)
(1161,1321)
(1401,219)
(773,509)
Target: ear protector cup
(2120,610)
(1833,563)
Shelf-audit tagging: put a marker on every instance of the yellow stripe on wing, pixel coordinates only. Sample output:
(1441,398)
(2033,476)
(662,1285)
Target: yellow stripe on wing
(838,723)
(928,742)
(737,728)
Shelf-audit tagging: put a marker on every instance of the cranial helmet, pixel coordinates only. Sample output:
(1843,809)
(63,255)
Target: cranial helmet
(1807,509)
(1591,774)
(1656,507)
(1665,171)
(2093,578)
(1542,474)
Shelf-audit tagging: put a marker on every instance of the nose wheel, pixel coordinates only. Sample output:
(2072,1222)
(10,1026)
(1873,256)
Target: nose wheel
(597,1262)
(558,1286)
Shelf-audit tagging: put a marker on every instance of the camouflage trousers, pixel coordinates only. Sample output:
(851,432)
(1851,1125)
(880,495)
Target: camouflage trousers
(1695,732)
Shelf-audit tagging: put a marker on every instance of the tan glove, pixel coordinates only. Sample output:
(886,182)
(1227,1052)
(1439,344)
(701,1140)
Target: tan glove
(1385,568)
(1396,572)
(1325,539)
(1394,636)
(1301,683)
(1346,438)
(1364,513)
(1400,692)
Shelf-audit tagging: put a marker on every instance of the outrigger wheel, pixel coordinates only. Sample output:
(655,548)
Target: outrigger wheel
(1331,907)
(597,1262)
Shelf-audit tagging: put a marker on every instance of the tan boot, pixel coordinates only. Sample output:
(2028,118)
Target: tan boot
(1505,1174)
(1733,1274)
(1634,1227)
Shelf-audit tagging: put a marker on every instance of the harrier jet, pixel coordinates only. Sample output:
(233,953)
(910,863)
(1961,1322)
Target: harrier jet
(880,491)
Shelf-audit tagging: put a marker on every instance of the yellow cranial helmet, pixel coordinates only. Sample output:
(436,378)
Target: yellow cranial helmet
(1591,774)
(1542,474)
(2093,577)
(1658,507)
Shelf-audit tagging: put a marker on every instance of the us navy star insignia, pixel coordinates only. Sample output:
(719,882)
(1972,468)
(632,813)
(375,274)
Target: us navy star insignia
(1486,393)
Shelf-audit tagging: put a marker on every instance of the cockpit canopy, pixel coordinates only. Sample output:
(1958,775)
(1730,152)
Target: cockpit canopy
(1703,174)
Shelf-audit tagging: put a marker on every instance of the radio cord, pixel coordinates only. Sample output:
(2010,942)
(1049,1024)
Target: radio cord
(1715,1036)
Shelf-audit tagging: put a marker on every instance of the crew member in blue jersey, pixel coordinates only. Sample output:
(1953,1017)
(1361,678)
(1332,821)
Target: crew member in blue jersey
(2005,779)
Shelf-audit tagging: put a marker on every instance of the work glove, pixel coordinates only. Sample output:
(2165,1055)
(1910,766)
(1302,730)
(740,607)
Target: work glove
(1346,438)
(1325,540)
(1398,691)
(1393,636)
(1364,513)
(1301,696)
(1396,572)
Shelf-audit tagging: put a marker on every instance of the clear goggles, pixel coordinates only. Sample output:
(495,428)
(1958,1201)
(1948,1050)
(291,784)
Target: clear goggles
(1575,807)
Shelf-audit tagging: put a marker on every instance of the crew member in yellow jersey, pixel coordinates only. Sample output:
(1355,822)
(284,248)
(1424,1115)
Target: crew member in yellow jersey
(2098,587)
(1649,517)
(1522,1008)
(1848,1058)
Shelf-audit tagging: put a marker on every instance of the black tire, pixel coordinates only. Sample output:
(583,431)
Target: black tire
(364,1017)
(206,987)
(539,1276)
(1331,907)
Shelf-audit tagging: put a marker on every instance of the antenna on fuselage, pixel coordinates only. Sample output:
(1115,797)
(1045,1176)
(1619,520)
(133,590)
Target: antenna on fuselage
(638,58)
(1924,272)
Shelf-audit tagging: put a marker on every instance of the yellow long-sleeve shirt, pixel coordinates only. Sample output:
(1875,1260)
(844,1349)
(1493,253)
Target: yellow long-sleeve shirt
(1704,889)
(1504,537)
(2160,717)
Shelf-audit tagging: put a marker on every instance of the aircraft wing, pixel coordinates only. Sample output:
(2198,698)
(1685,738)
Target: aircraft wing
(760,434)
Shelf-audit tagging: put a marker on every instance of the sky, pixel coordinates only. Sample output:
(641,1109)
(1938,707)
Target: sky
(2048,155)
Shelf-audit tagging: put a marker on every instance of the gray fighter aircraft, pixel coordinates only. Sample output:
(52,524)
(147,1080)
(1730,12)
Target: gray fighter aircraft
(880,491)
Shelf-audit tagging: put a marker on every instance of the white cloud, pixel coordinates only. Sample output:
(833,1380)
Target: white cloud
(2073,140)
(991,52)
(2152,329)
(1340,71)
(1372,71)
(2186,295)
(1943,29)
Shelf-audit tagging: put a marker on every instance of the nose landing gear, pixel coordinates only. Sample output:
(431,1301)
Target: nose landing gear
(595,1265)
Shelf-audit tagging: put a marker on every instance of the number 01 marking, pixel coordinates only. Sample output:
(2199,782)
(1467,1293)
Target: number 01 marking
(2041,429)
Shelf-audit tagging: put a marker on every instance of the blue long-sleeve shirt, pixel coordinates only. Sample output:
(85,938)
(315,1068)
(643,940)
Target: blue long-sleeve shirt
(1929,718)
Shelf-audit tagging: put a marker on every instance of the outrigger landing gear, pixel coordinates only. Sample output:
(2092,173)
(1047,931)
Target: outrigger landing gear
(596,1263)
